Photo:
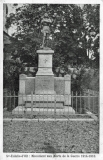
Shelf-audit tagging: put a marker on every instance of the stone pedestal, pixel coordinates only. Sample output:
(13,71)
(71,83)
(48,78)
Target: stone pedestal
(45,62)
(44,80)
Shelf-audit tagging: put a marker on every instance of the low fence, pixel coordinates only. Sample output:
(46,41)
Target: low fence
(88,100)
(80,104)
(92,100)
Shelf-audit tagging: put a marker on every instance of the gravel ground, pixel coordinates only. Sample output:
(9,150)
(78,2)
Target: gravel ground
(51,137)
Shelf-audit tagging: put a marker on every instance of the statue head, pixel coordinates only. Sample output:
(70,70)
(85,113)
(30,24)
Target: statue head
(46,15)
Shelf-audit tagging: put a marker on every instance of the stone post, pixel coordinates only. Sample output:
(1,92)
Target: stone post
(67,90)
(22,81)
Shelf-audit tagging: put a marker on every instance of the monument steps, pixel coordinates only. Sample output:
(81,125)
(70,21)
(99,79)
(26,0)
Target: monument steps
(44,98)
(66,110)
(44,101)
(44,105)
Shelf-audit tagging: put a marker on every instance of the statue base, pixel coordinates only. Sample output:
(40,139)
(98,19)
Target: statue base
(45,48)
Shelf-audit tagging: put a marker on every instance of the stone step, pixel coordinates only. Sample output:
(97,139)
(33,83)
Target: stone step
(44,105)
(44,98)
(66,110)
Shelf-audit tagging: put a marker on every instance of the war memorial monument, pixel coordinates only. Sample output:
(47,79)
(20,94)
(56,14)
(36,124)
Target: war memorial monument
(44,91)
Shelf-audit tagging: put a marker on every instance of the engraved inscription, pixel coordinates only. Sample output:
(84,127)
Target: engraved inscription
(44,84)
(45,60)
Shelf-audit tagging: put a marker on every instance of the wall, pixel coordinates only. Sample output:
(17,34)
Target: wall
(62,86)
(59,85)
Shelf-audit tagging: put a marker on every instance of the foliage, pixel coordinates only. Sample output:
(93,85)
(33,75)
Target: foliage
(91,26)
(11,72)
(86,79)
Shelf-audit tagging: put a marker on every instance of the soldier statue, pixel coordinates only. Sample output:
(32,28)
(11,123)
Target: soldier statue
(46,21)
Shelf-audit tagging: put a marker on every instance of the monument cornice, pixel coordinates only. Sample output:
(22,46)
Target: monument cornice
(41,51)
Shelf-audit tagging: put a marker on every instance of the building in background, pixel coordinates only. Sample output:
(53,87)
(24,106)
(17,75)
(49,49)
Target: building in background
(7,40)
(7,32)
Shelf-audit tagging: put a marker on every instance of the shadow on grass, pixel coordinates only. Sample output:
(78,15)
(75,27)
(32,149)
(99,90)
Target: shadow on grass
(50,149)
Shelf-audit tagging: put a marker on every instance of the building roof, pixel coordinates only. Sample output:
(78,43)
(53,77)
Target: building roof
(6,38)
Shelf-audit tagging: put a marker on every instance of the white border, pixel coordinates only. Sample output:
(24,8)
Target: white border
(98,156)
(55,1)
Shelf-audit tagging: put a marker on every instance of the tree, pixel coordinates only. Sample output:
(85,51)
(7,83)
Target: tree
(91,33)
(65,31)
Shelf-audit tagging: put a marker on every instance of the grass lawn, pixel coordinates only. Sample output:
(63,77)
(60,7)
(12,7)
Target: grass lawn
(51,137)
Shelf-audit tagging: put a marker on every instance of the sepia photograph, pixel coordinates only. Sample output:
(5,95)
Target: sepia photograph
(51,78)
